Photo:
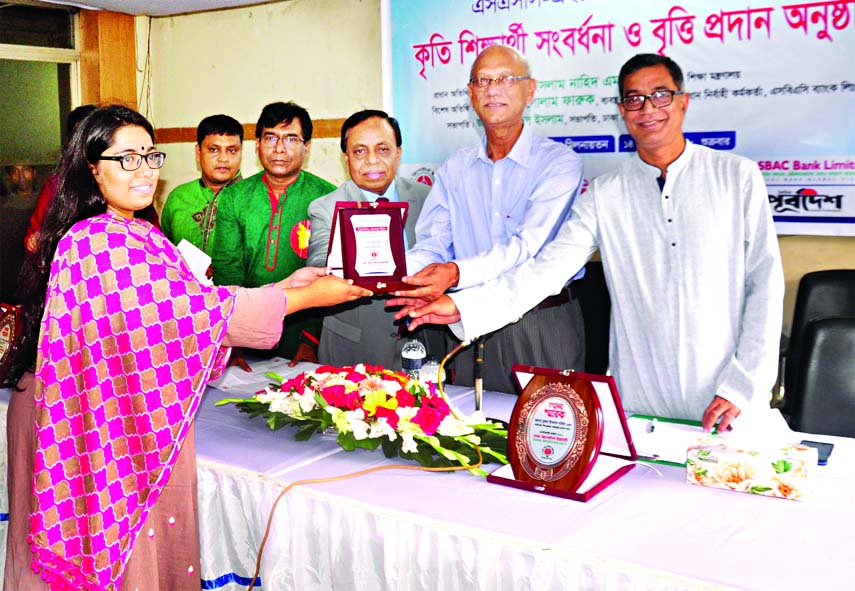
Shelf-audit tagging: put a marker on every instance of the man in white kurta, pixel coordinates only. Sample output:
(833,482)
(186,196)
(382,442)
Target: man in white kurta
(694,276)
(690,258)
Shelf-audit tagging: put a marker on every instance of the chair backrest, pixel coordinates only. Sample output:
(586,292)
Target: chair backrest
(596,307)
(827,379)
(822,294)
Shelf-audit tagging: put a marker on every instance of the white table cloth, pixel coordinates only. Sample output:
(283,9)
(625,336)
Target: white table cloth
(420,531)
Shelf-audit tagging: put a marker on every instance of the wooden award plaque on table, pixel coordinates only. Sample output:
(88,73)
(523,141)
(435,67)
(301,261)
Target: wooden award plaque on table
(367,244)
(568,435)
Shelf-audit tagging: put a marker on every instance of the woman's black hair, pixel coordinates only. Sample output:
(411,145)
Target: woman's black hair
(77,197)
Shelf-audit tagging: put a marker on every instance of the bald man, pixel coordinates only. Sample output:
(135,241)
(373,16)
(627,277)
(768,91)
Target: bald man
(493,206)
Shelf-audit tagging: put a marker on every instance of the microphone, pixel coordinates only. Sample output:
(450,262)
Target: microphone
(478,372)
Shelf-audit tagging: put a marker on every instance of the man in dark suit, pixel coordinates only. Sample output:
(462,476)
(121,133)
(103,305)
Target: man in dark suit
(364,331)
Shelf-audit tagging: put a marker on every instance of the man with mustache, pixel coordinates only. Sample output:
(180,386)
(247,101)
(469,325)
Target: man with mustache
(263,223)
(365,331)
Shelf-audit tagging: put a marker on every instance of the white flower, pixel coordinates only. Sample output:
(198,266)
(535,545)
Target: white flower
(391,387)
(381,428)
(452,427)
(356,421)
(270,394)
(340,421)
(286,406)
(306,400)
(408,444)
(406,413)
(476,418)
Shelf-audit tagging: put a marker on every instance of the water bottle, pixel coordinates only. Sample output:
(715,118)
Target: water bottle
(430,371)
(413,357)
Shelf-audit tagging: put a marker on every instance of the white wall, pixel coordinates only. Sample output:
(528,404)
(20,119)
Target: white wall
(326,56)
(323,54)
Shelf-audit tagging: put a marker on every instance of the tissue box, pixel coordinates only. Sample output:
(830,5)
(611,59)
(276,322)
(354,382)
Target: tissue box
(784,472)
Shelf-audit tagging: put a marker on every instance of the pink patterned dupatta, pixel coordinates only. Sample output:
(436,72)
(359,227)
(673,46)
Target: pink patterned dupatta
(128,341)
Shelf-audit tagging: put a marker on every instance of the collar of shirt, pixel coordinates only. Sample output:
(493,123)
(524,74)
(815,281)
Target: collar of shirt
(674,168)
(519,153)
(391,194)
(231,182)
(274,198)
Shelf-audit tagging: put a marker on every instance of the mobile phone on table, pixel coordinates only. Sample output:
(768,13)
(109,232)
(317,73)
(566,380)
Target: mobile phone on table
(823,448)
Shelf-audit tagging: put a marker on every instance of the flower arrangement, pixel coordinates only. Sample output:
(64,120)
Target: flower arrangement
(370,407)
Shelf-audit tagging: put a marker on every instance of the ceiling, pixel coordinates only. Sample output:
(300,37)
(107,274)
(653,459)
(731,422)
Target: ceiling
(152,7)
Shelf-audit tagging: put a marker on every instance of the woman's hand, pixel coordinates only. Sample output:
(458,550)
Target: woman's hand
(303,277)
(323,291)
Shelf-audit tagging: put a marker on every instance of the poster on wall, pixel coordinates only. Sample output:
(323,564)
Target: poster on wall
(772,81)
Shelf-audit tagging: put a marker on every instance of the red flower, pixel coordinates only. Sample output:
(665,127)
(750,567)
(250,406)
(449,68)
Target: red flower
(334,395)
(296,383)
(353,400)
(354,377)
(430,415)
(390,415)
(405,398)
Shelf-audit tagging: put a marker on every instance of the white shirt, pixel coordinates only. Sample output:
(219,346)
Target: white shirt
(489,216)
(694,274)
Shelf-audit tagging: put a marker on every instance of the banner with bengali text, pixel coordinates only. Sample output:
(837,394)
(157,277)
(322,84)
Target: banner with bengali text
(773,81)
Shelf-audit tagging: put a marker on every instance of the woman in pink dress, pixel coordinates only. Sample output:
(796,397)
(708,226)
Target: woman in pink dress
(102,468)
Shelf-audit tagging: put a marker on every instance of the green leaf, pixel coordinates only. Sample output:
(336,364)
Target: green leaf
(704,453)
(782,466)
(320,400)
(225,401)
(275,377)
(306,432)
(759,490)
(368,443)
(701,472)
(347,441)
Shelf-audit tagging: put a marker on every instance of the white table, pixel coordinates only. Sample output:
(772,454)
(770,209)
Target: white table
(420,531)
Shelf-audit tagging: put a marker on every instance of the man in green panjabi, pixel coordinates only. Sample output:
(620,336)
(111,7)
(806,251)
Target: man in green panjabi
(190,211)
(263,223)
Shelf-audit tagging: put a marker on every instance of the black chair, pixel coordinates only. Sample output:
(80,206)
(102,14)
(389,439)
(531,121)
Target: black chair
(822,294)
(593,296)
(826,404)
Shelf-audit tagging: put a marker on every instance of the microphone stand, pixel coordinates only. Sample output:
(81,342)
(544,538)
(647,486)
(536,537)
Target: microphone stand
(478,372)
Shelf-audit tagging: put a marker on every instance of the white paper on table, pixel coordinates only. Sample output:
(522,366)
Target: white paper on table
(662,441)
(197,260)
(755,429)
(237,381)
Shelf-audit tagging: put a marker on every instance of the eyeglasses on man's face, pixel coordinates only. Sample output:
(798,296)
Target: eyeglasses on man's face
(659,99)
(271,140)
(500,81)
(132,161)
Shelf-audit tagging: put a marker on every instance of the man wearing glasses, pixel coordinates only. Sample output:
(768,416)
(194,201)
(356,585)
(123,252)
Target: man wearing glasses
(365,331)
(263,223)
(492,207)
(690,257)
